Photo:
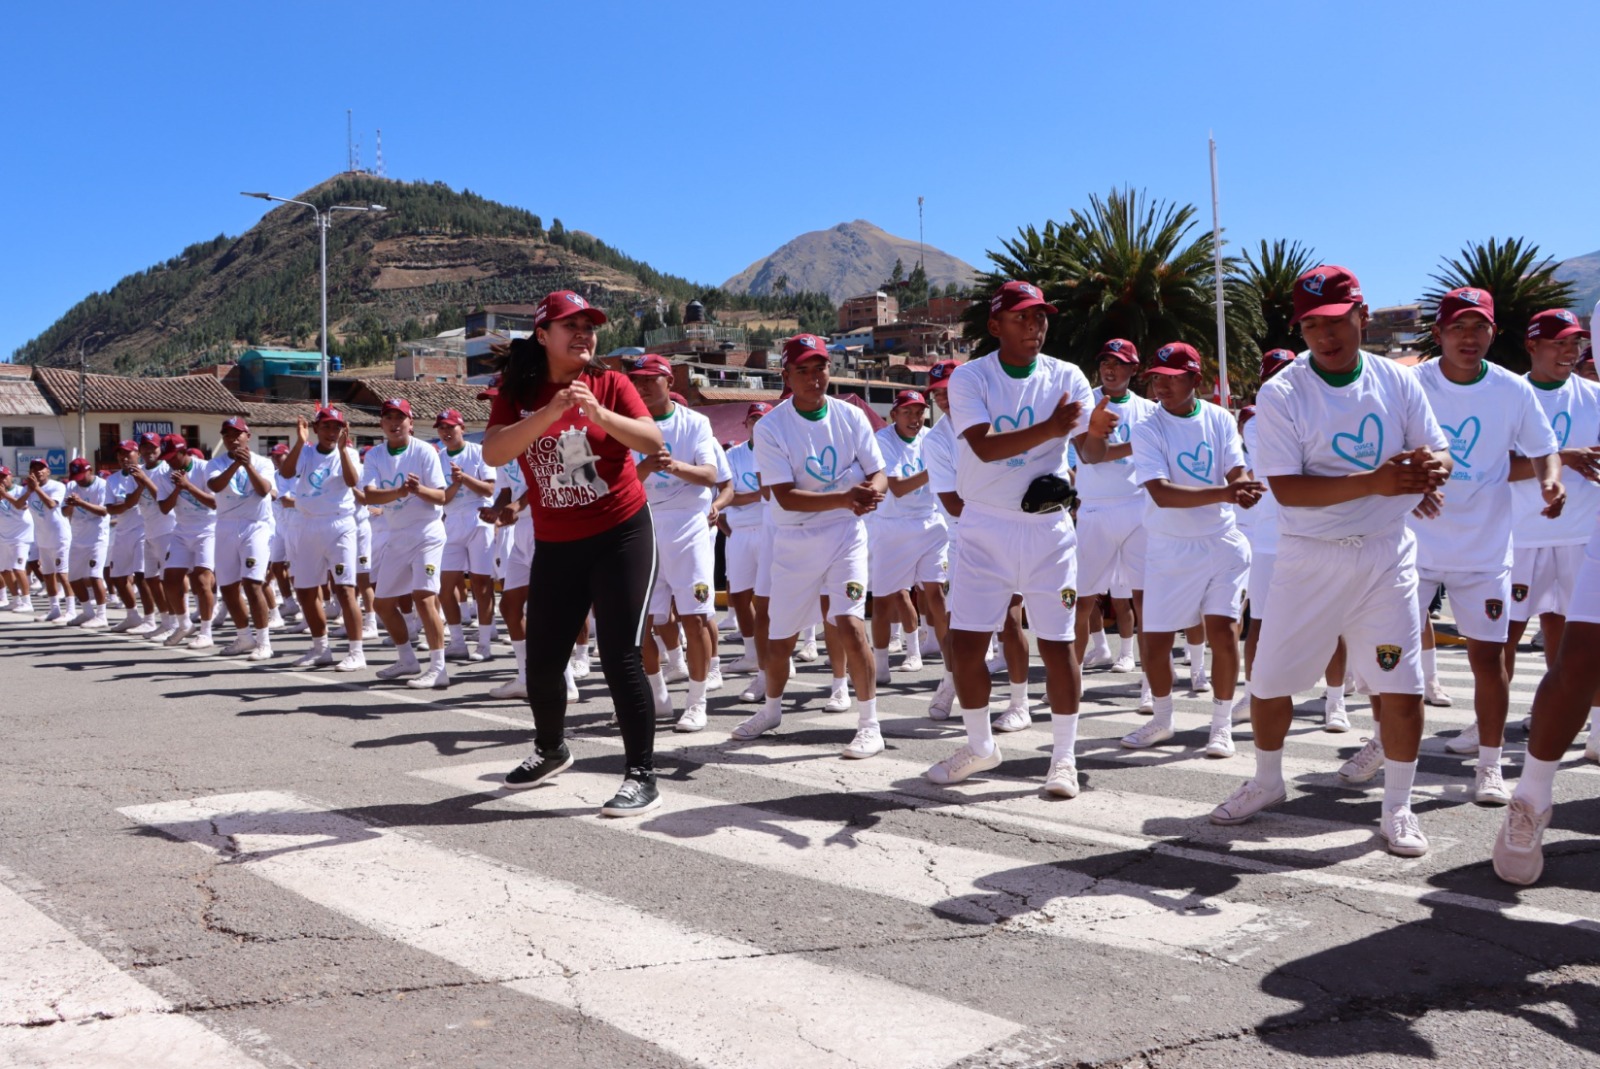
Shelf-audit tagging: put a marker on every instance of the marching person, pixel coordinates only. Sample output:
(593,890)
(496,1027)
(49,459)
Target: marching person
(85,508)
(16,539)
(469,542)
(52,536)
(284,521)
(326,542)
(243,485)
(126,570)
(191,547)
(158,526)
(744,523)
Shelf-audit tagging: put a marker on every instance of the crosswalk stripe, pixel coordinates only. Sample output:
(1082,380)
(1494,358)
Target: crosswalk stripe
(583,950)
(63,1004)
(972,885)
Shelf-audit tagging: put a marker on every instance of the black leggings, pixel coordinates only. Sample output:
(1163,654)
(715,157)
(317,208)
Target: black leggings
(612,571)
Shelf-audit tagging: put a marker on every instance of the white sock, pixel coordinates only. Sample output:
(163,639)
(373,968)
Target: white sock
(205,628)
(841,686)
(1064,729)
(1489,756)
(1125,645)
(1221,713)
(1269,769)
(880,659)
(867,713)
(658,688)
(519,650)
(486,634)
(749,646)
(913,641)
(715,670)
(1163,713)
(773,707)
(566,677)
(1197,656)
(896,631)
(72,605)
(319,643)
(675,658)
(407,657)
(458,637)
(436,660)
(979,736)
(369,622)
(1334,696)
(1019,695)
(1430,665)
(353,647)
(808,634)
(1398,777)
(1536,785)
(697,692)
(1594,720)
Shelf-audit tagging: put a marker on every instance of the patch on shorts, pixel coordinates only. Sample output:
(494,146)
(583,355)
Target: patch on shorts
(1493,607)
(361,561)
(93,562)
(1388,657)
(702,593)
(855,591)
(249,562)
(1519,592)
(1069,597)
(946,586)
(338,569)
(428,569)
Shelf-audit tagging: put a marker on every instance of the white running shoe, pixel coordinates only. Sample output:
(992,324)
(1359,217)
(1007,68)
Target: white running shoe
(1151,734)
(943,700)
(126,624)
(160,635)
(1519,849)
(200,641)
(1489,786)
(839,702)
(1336,720)
(572,690)
(693,718)
(962,764)
(95,623)
(1015,718)
(1221,742)
(352,662)
(1435,694)
(431,679)
(1097,655)
(757,690)
(867,742)
(997,663)
(178,637)
(675,673)
(460,651)
(299,628)
(580,666)
(912,663)
(1198,680)
(1403,833)
(1366,764)
(896,644)
(1062,782)
(1245,802)
(744,666)
(371,634)
(714,682)
(729,622)
(1465,742)
(275,621)
(315,658)
(396,670)
(240,644)
(881,673)
(509,690)
(83,617)
(1125,664)
(55,613)
(262,652)
(1147,701)
(1241,710)
(149,627)
(1591,749)
(757,725)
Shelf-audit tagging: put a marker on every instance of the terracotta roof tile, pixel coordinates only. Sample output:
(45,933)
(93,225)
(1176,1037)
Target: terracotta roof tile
(22,398)
(116,393)
(284,413)
(427,398)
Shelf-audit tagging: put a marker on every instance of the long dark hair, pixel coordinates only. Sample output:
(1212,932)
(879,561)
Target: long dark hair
(525,367)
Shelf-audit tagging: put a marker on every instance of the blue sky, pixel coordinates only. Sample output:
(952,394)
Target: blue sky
(700,137)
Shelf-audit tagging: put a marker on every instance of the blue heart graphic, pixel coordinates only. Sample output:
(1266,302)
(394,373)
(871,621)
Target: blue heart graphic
(751,481)
(910,468)
(317,478)
(1198,463)
(824,468)
(1562,425)
(390,484)
(1016,422)
(1356,448)
(240,483)
(1462,438)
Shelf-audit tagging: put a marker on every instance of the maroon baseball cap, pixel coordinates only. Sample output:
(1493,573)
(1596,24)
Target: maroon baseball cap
(1015,295)
(150,438)
(908,397)
(235,423)
(333,415)
(172,444)
(649,366)
(198,454)
(449,418)
(1274,361)
(677,398)
(803,347)
(1119,349)
(564,303)
(939,374)
(1553,324)
(1246,414)
(757,408)
(127,445)
(1175,359)
(488,393)
(80,466)
(4,471)
(396,404)
(1326,290)
(1463,301)
(36,463)
(279,450)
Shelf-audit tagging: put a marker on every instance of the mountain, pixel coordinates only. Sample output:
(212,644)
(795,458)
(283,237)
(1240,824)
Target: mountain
(848,260)
(1584,273)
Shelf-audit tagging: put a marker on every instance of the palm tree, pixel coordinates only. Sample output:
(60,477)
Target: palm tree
(1521,284)
(1268,277)
(1129,267)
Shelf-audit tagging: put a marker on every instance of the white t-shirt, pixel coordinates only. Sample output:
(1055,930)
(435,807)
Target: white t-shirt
(902,460)
(16,522)
(982,392)
(1196,450)
(1308,427)
(86,525)
(321,493)
(746,480)
(50,528)
(189,516)
(119,487)
(509,477)
(238,502)
(157,524)
(409,515)
(282,515)
(1484,422)
(823,455)
(1573,409)
(1115,480)
(462,510)
(1259,524)
(688,437)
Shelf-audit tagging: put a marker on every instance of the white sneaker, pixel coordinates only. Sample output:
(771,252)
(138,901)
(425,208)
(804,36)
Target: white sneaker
(460,651)
(431,679)
(1245,802)
(1465,742)
(1221,742)
(177,637)
(962,764)
(371,634)
(1097,656)
(1401,831)
(839,702)
(1335,718)
(275,621)
(1349,684)
(867,742)
(1151,734)
(580,667)
(896,644)
(1198,680)
(744,666)
(1015,718)
(756,691)
(675,673)
(315,659)
(912,663)
(1435,694)
(95,623)
(572,690)
(299,628)
(1489,786)
(55,613)
(510,689)
(693,718)
(396,670)
(83,617)
(1241,710)
(1147,701)
(241,644)
(943,700)
(714,682)
(1518,849)
(1124,664)
(126,624)
(729,622)
(663,706)
(484,651)
(881,674)
(997,663)
(262,652)
(352,662)
(200,641)
(160,634)
(757,725)
(1366,764)
(1591,749)
(1062,782)
(144,630)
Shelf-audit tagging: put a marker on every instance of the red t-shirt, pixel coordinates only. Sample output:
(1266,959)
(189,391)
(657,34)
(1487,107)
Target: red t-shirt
(580,480)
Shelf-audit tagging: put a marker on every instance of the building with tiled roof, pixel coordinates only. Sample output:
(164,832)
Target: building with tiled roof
(117,408)
(427,399)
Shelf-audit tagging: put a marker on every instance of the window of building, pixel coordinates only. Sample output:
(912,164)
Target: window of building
(22,436)
(191,434)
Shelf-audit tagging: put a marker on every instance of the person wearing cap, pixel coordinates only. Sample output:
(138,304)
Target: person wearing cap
(1349,445)
(285,521)
(126,567)
(574,425)
(1585,368)
(469,542)
(190,558)
(1464,542)
(242,482)
(1188,458)
(52,536)
(1016,413)
(405,478)
(85,509)
(16,542)
(744,522)
(158,527)
(325,548)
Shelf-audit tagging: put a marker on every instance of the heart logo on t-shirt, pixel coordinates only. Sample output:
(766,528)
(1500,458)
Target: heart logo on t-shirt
(240,484)
(751,481)
(1198,463)
(1023,418)
(317,478)
(1462,438)
(824,467)
(1365,446)
(1562,425)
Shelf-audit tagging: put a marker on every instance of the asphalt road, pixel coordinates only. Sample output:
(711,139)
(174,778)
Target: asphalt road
(205,862)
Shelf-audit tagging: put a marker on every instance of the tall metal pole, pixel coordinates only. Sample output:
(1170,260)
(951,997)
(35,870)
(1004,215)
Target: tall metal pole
(1216,249)
(83,396)
(922,255)
(322,233)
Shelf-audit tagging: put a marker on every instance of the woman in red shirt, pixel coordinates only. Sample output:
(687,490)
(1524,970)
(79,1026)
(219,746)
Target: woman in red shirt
(572,423)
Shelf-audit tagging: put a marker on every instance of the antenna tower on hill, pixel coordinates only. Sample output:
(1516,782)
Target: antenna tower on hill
(349,140)
(380,154)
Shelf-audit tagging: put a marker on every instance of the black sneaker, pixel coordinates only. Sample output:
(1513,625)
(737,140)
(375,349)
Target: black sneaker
(539,767)
(637,795)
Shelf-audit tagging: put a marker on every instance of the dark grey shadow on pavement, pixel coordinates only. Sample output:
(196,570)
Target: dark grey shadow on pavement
(450,743)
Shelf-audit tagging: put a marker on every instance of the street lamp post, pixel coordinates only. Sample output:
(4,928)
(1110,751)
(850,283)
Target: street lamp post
(324,217)
(83,391)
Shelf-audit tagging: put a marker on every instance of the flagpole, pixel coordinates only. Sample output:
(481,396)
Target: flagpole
(1216,248)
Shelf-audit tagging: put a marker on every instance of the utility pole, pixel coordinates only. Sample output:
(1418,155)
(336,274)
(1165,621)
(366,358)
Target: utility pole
(83,391)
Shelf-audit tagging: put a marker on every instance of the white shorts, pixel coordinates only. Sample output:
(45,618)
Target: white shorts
(323,547)
(1542,580)
(764,563)
(813,562)
(14,555)
(53,556)
(906,553)
(127,554)
(519,563)
(155,553)
(87,560)
(278,551)
(1188,579)
(1004,552)
(1478,601)
(1261,565)
(410,563)
(1111,547)
(242,550)
(1362,588)
(686,567)
(469,549)
(364,548)
(502,551)
(1584,605)
(192,550)
(741,556)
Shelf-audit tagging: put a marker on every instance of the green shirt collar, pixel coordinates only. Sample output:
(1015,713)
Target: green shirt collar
(817,416)
(1545,385)
(1017,372)
(1343,378)
(1117,400)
